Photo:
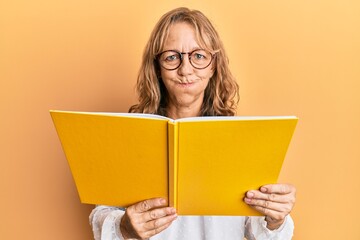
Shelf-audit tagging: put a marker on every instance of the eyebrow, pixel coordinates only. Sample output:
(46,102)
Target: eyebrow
(174,49)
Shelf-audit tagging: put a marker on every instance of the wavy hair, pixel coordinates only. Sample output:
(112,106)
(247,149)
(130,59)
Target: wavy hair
(222,93)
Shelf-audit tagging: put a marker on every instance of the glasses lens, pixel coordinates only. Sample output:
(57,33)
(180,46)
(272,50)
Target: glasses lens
(200,58)
(170,60)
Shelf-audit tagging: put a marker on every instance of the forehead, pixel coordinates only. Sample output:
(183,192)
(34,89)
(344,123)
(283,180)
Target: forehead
(181,35)
(185,35)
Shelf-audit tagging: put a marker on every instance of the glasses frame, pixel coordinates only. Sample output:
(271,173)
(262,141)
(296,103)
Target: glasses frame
(182,58)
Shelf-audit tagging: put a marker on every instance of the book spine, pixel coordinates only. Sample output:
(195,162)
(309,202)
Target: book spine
(173,162)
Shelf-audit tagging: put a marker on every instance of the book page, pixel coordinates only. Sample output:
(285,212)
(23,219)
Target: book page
(118,114)
(232,118)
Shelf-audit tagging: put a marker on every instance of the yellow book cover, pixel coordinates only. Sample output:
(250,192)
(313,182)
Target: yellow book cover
(203,165)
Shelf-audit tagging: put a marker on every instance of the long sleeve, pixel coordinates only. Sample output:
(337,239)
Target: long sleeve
(105,222)
(255,229)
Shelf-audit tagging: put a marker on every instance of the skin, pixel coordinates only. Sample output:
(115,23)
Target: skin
(275,201)
(186,86)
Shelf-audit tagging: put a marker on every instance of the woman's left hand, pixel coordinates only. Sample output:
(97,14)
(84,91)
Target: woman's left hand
(275,201)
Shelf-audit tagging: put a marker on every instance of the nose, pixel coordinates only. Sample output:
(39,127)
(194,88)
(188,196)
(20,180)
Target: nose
(185,68)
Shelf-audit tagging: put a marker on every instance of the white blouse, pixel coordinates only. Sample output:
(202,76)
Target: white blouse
(105,222)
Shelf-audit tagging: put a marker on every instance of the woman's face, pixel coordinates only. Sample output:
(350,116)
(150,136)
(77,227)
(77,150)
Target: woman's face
(186,84)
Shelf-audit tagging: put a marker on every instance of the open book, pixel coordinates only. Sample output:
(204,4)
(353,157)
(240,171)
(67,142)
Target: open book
(203,165)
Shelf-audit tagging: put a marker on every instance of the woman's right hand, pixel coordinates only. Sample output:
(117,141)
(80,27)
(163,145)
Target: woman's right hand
(146,219)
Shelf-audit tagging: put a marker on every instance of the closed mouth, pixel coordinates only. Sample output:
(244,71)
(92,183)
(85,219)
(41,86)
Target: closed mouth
(185,84)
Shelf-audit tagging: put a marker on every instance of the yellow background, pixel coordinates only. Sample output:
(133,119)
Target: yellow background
(290,57)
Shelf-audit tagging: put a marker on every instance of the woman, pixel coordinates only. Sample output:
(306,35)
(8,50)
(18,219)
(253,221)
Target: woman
(185,73)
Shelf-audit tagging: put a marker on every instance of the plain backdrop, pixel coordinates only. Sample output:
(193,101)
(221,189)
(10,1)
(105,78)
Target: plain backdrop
(290,58)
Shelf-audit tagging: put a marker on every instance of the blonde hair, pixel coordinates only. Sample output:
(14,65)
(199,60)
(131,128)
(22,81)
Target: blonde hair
(222,93)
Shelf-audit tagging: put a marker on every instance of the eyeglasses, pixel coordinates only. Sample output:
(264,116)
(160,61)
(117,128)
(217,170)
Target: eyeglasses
(171,59)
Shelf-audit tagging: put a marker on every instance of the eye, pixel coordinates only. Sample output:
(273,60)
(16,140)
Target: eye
(171,57)
(199,56)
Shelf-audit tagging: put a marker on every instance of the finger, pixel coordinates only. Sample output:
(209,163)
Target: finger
(273,197)
(153,232)
(273,214)
(279,207)
(278,188)
(159,223)
(158,213)
(148,204)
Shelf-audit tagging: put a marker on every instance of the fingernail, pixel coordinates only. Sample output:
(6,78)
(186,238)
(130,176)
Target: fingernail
(250,194)
(162,201)
(263,189)
(247,200)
